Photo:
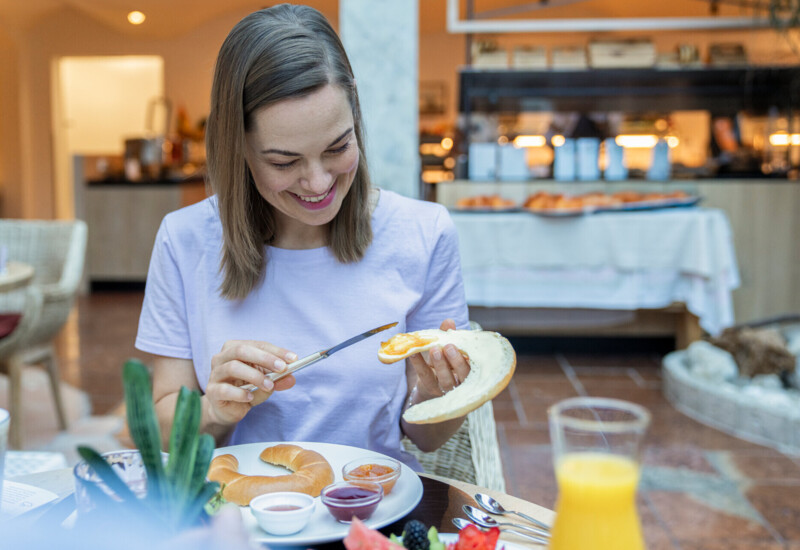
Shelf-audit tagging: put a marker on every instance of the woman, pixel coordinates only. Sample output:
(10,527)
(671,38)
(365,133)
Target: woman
(294,253)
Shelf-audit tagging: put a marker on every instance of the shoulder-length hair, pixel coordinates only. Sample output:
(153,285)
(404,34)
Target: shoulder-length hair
(273,54)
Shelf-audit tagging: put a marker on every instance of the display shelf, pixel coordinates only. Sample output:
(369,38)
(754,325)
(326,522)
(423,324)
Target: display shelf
(718,90)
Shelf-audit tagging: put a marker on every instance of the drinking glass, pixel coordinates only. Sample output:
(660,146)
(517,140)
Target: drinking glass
(127,464)
(596,447)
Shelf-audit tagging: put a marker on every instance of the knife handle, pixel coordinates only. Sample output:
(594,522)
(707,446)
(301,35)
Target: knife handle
(290,369)
(296,366)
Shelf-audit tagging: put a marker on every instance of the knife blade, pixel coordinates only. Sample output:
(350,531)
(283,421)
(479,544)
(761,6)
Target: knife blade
(303,362)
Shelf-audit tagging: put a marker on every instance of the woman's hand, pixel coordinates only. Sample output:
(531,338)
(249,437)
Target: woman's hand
(243,362)
(444,369)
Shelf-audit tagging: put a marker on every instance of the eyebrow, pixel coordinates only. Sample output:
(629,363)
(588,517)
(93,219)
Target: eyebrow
(292,154)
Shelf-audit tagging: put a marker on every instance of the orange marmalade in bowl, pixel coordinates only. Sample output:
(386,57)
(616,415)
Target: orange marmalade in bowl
(382,470)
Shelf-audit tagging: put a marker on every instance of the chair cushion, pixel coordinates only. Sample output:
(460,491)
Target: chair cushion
(8,322)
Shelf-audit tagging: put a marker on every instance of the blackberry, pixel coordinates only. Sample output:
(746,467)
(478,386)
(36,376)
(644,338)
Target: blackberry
(415,535)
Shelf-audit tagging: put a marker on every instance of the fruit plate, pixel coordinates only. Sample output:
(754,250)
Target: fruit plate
(322,527)
(448,538)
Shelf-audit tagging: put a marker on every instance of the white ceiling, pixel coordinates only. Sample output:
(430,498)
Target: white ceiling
(164,17)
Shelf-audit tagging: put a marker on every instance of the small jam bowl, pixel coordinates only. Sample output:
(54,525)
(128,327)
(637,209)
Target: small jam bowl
(348,499)
(385,471)
(282,513)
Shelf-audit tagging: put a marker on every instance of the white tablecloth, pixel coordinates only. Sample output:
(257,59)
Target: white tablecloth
(620,260)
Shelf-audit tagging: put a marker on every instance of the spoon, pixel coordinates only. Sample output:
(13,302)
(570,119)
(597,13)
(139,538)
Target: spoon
(460,523)
(485,520)
(493,507)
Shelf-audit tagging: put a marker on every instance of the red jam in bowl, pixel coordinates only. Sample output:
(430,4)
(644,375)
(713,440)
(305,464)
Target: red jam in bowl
(346,499)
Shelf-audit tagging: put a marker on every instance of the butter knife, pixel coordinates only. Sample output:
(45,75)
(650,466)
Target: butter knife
(303,362)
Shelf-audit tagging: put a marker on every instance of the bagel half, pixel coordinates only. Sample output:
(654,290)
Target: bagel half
(310,474)
(491,358)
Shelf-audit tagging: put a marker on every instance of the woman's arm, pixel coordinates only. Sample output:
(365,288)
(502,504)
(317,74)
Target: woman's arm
(169,374)
(224,402)
(427,437)
(447,369)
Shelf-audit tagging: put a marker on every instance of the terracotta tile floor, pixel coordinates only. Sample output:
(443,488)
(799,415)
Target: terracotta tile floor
(701,489)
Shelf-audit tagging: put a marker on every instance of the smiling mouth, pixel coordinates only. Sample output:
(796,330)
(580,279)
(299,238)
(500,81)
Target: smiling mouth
(314,198)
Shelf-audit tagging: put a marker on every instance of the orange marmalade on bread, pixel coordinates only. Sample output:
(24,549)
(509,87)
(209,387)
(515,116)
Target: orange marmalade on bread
(401,343)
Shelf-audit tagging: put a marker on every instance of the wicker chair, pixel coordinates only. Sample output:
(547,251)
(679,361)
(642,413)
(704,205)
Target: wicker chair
(472,454)
(57,251)
(26,305)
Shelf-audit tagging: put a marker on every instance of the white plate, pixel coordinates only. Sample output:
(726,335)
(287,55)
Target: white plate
(322,527)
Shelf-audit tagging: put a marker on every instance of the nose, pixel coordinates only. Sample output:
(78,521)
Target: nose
(316,178)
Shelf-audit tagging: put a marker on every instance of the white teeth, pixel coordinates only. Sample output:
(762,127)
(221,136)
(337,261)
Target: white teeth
(318,198)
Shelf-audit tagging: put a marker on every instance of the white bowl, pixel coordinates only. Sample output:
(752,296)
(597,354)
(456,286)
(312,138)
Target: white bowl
(282,513)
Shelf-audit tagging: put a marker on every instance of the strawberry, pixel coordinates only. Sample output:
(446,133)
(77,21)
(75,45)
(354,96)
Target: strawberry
(472,538)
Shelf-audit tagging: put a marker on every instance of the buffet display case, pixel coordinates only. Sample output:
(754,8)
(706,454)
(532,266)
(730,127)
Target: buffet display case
(689,111)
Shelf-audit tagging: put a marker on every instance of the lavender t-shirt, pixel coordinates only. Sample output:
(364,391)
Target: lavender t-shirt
(308,301)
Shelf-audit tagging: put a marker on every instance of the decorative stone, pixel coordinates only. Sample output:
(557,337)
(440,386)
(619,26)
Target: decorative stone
(761,411)
(711,363)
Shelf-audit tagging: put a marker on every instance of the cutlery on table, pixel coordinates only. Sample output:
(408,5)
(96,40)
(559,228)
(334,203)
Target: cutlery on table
(460,523)
(485,520)
(303,362)
(493,507)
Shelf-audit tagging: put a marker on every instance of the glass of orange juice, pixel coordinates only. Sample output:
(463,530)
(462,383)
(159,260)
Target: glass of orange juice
(596,447)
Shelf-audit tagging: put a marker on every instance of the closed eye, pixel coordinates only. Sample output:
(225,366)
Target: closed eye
(339,150)
(336,151)
(285,165)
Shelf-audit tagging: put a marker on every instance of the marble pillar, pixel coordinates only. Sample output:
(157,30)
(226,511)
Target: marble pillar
(381,39)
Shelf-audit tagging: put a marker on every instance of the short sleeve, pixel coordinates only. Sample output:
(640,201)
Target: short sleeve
(163,323)
(443,295)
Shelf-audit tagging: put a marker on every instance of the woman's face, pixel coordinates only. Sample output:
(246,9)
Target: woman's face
(303,155)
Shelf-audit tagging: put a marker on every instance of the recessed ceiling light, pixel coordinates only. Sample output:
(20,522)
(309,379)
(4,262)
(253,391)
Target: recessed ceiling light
(136,18)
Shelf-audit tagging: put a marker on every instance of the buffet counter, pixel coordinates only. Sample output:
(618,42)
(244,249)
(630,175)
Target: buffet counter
(606,261)
(123,218)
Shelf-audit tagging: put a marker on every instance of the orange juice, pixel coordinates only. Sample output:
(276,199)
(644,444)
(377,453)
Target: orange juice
(596,506)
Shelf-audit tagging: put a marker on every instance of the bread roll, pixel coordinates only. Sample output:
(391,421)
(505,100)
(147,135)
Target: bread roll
(310,474)
(491,359)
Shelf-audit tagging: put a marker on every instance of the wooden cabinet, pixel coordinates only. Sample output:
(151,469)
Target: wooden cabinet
(123,220)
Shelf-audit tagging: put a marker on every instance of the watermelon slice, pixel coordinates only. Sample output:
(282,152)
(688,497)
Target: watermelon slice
(361,537)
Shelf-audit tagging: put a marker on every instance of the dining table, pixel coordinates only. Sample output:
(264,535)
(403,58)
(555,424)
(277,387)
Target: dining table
(442,500)
(15,275)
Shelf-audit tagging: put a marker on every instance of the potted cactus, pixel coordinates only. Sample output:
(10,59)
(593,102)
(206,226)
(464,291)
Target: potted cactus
(177,491)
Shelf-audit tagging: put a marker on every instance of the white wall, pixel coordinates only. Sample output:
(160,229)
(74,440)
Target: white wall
(105,100)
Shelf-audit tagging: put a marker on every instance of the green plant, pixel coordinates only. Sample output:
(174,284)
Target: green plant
(177,491)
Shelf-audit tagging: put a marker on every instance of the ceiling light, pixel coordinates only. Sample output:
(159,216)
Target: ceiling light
(530,141)
(637,141)
(136,18)
(782,139)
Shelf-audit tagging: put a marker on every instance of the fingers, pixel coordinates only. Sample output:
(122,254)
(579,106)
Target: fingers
(459,365)
(426,379)
(448,324)
(244,362)
(439,361)
(237,373)
(262,355)
(446,368)
(259,396)
(227,392)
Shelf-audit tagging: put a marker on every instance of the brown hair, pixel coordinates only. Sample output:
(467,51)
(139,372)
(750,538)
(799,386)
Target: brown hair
(273,54)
